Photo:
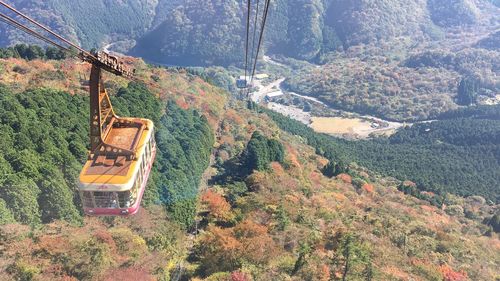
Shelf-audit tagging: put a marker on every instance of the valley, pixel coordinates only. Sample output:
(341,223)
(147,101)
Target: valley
(338,123)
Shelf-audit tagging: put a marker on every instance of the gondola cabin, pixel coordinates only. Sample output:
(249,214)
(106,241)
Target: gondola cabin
(241,83)
(112,184)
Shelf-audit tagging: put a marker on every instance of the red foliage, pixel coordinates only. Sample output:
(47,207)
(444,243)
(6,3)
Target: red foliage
(345,178)
(217,205)
(450,275)
(368,187)
(181,102)
(104,237)
(239,276)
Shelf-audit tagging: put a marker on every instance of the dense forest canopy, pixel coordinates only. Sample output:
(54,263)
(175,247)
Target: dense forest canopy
(458,155)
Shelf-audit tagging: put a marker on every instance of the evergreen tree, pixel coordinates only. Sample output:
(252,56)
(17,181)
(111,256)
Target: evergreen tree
(467,91)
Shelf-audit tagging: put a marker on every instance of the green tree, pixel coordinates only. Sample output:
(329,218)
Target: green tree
(56,198)
(260,151)
(257,153)
(5,214)
(334,168)
(20,195)
(467,91)
(494,222)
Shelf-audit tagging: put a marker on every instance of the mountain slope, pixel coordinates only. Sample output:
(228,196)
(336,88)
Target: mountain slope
(211,32)
(196,33)
(91,23)
(283,221)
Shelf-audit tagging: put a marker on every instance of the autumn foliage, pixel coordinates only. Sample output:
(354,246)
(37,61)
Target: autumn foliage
(450,275)
(226,249)
(218,208)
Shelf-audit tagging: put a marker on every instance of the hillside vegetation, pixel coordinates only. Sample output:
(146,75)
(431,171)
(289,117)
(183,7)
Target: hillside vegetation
(266,213)
(459,155)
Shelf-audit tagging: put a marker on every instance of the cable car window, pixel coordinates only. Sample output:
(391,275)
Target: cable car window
(241,83)
(123,199)
(148,151)
(87,199)
(105,200)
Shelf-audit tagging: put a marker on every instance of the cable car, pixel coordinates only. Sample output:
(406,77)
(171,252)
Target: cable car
(114,185)
(122,151)
(241,83)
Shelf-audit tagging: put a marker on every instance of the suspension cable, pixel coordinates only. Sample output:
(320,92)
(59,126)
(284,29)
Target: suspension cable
(6,19)
(46,29)
(263,25)
(253,38)
(247,36)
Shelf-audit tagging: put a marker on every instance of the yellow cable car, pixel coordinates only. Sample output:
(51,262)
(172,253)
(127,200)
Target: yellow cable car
(114,185)
(122,151)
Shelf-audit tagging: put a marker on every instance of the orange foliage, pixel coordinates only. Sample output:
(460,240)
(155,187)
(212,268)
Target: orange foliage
(181,102)
(250,128)
(428,208)
(368,187)
(396,272)
(222,249)
(345,178)
(217,205)
(239,276)
(322,162)
(339,196)
(277,168)
(292,198)
(234,117)
(292,156)
(255,181)
(315,177)
(325,273)
(450,275)
(257,245)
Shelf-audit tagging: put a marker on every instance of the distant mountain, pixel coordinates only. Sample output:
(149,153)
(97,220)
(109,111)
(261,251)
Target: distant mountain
(212,32)
(304,29)
(196,33)
(453,12)
(91,23)
(492,42)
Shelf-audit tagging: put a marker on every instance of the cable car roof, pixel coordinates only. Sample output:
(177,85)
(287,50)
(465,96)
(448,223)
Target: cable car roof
(116,170)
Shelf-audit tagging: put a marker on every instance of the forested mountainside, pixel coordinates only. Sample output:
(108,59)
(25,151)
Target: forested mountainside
(303,30)
(399,60)
(264,211)
(420,87)
(458,155)
(307,29)
(45,139)
(91,23)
